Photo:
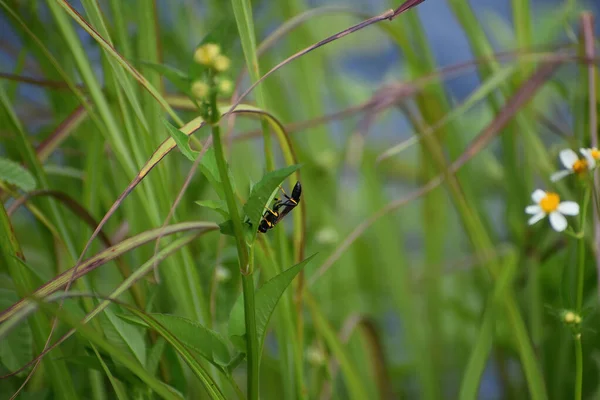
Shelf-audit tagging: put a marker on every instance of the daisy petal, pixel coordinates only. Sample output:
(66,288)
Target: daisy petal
(536,218)
(587,153)
(533,209)
(568,158)
(568,208)
(538,195)
(560,174)
(558,221)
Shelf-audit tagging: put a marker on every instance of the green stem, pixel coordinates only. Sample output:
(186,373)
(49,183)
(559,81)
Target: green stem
(581,253)
(578,367)
(246,264)
(579,294)
(227,189)
(251,337)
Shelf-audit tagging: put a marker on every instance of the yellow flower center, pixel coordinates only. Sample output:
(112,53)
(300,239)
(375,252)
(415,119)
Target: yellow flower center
(595,153)
(550,202)
(580,166)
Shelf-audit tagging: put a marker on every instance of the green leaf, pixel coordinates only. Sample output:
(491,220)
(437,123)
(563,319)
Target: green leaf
(116,385)
(182,141)
(354,380)
(16,347)
(15,174)
(208,343)
(130,335)
(226,228)
(263,192)
(184,352)
(178,78)
(208,167)
(218,205)
(155,355)
(266,299)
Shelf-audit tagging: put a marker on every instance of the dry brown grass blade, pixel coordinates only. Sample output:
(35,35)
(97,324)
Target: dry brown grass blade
(512,106)
(89,316)
(60,281)
(388,15)
(587,32)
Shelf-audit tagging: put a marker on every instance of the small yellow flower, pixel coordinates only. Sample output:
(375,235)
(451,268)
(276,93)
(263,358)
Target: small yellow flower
(225,86)
(569,317)
(200,89)
(575,165)
(315,356)
(221,63)
(548,203)
(207,53)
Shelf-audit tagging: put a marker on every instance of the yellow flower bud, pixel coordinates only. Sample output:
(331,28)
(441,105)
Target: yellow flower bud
(207,53)
(225,86)
(222,274)
(200,89)
(221,63)
(569,317)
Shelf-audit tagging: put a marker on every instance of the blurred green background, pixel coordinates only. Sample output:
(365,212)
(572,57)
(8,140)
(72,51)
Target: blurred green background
(443,294)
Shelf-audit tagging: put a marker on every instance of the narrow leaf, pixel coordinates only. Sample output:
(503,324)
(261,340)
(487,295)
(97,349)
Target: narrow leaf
(217,205)
(182,141)
(129,335)
(178,78)
(194,335)
(266,299)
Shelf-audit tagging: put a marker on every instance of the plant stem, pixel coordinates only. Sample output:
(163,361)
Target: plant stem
(578,367)
(246,264)
(251,338)
(227,189)
(579,296)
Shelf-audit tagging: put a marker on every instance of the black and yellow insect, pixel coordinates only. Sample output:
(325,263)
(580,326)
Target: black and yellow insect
(280,209)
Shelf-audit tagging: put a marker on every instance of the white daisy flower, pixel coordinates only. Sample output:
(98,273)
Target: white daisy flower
(591,153)
(548,203)
(574,164)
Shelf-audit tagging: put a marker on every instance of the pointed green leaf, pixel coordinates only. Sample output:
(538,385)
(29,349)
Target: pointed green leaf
(266,299)
(130,335)
(194,335)
(218,205)
(15,174)
(155,355)
(263,193)
(182,141)
(16,349)
(178,78)
(226,228)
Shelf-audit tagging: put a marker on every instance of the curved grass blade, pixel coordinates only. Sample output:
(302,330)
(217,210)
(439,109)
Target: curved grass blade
(102,258)
(96,338)
(469,388)
(125,285)
(208,343)
(356,387)
(198,370)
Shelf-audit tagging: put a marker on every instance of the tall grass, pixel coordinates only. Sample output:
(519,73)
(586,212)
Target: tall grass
(408,269)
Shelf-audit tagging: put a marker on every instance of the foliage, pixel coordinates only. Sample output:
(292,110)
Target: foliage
(450,262)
